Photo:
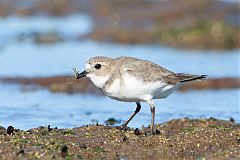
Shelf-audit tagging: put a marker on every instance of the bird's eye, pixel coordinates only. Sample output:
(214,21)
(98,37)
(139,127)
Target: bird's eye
(98,66)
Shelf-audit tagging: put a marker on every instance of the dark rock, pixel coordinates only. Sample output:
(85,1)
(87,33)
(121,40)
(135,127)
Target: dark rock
(20,152)
(10,130)
(125,138)
(158,132)
(231,119)
(137,131)
(41,127)
(49,128)
(83,146)
(238,140)
(112,121)
(2,130)
(64,151)
(212,118)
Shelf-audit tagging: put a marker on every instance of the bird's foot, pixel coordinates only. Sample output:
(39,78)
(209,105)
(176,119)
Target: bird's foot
(123,127)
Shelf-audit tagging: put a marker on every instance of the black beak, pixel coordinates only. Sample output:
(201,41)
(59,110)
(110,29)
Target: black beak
(82,74)
(78,75)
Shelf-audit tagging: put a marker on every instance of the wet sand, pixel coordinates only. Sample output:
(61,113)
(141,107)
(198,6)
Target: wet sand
(176,139)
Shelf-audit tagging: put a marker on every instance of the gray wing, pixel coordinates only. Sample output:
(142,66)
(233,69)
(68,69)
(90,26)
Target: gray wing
(149,71)
(146,70)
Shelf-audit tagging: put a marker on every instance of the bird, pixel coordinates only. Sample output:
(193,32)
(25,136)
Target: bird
(130,79)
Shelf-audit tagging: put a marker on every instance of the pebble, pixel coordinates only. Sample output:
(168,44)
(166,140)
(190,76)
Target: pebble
(137,131)
(10,130)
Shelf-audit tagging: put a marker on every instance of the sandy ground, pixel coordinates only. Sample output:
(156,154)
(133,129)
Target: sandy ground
(176,139)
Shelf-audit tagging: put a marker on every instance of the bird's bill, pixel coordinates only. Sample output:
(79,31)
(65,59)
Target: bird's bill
(80,75)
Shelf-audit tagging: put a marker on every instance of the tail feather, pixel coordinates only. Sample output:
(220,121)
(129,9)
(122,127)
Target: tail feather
(187,78)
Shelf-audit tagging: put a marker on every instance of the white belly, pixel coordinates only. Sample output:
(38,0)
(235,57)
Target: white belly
(131,89)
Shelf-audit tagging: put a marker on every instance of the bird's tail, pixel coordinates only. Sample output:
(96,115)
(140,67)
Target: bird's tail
(187,77)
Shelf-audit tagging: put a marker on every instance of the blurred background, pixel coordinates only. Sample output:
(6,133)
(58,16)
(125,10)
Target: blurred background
(41,40)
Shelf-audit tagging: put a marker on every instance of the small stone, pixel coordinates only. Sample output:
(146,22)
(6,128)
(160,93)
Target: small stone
(157,132)
(112,121)
(147,133)
(2,130)
(64,151)
(137,131)
(125,138)
(49,128)
(20,152)
(83,146)
(231,119)
(212,118)
(41,127)
(10,130)
(238,140)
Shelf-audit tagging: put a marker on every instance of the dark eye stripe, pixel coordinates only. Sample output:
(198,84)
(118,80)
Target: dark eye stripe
(98,66)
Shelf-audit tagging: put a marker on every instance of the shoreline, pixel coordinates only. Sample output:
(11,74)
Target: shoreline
(186,138)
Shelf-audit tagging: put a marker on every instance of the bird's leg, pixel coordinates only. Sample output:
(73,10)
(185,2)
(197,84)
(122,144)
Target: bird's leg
(153,117)
(138,108)
(152,109)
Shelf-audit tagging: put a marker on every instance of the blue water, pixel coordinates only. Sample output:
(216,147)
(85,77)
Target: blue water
(26,109)
(13,27)
(28,59)
(31,108)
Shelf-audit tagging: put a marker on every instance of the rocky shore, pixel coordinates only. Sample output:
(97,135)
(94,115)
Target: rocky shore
(176,139)
(202,24)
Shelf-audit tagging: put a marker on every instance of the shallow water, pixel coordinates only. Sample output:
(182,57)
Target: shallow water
(25,58)
(28,59)
(25,108)
(13,27)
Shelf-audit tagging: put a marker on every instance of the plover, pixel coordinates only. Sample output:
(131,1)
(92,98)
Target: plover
(130,79)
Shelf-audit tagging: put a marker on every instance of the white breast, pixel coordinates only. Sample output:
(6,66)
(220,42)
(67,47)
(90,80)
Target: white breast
(99,81)
(114,90)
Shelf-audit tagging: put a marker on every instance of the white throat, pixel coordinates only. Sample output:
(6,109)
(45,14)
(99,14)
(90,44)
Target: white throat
(99,81)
